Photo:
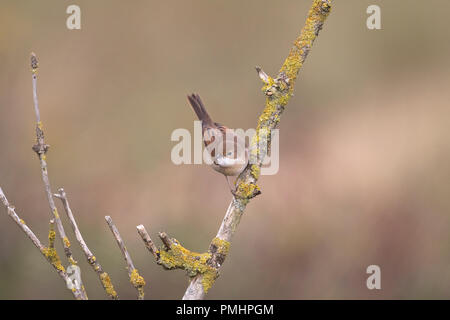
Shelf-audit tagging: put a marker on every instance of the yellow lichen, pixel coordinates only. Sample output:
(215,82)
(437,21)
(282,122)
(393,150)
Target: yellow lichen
(53,258)
(72,261)
(55,213)
(221,246)
(21,221)
(316,17)
(66,242)
(269,110)
(247,190)
(268,85)
(138,282)
(255,171)
(107,285)
(254,150)
(178,257)
(136,279)
(279,90)
(208,280)
(283,99)
(51,237)
(92,260)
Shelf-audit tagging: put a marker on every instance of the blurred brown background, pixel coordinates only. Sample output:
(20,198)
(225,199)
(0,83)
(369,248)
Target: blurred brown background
(364,165)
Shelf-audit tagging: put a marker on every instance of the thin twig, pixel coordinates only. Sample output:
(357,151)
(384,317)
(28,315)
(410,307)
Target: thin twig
(41,149)
(92,260)
(262,75)
(136,280)
(278,92)
(147,240)
(165,240)
(48,253)
(12,213)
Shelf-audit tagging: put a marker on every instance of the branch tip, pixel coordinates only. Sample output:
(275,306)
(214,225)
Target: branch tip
(147,240)
(262,75)
(136,280)
(34,63)
(165,240)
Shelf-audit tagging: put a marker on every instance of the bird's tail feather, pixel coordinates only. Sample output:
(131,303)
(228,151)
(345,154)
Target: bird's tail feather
(199,109)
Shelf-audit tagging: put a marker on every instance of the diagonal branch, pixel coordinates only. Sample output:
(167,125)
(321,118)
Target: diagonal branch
(278,92)
(135,278)
(92,260)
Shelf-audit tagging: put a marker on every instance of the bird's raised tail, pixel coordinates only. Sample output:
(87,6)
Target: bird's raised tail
(199,109)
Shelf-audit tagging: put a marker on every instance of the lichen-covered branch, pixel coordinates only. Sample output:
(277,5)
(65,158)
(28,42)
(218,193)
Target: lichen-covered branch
(278,92)
(135,278)
(92,260)
(48,252)
(174,256)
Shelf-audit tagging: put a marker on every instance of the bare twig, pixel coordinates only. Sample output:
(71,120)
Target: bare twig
(147,240)
(48,252)
(262,75)
(165,240)
(92,260)
(278,92)
(41,149)
(12,213)
(135,278)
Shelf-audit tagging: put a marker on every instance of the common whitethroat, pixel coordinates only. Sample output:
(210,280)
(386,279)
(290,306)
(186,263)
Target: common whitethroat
(228,151)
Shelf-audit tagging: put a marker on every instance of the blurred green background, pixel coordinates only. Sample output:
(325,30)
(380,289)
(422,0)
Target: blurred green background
(364,167)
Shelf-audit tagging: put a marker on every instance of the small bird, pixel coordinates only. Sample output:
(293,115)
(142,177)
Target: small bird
(232,158)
